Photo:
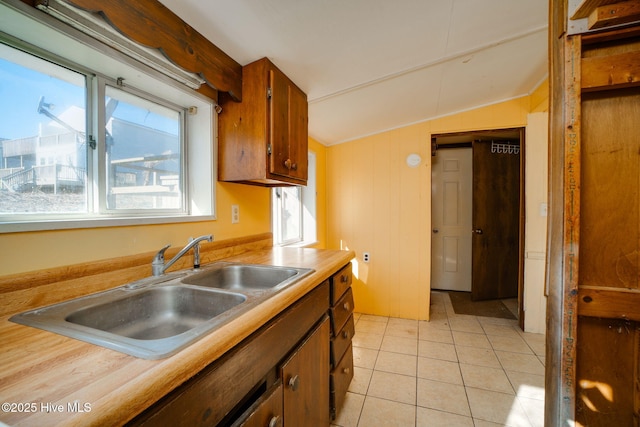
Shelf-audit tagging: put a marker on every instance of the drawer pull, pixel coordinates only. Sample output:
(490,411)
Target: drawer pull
(346,370)
(344,278)
(274,421)
(294,382)
(347,306)
(345,334)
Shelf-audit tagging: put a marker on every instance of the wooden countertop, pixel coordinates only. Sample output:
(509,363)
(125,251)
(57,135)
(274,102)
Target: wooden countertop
(48,379)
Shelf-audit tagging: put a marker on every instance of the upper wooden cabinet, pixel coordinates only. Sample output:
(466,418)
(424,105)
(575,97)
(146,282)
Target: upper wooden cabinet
(263,139)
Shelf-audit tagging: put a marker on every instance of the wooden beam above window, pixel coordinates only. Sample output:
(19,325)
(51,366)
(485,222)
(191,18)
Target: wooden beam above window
(153,25)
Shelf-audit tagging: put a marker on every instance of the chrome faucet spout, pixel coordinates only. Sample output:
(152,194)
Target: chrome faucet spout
(158,267)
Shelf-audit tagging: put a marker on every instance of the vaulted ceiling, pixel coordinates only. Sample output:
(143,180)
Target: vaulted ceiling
(372,65)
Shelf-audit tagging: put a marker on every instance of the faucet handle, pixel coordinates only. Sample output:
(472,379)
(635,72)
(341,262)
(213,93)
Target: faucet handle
(159,258)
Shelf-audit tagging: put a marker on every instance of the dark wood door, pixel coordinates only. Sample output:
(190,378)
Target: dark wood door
(496,219)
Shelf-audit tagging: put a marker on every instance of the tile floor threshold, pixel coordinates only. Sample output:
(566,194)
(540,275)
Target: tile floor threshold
(455,370)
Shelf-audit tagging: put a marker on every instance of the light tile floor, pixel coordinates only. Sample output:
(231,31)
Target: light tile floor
(455,370)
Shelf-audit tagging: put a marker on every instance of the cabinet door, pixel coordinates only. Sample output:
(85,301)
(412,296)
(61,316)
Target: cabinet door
(280,161)
(298,133)
(287,127)
(306,381)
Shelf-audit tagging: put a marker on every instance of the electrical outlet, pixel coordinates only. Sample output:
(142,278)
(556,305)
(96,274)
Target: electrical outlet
(366,257)
(235,214)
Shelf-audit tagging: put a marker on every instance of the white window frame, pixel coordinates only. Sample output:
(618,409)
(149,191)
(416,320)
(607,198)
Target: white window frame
(22,24)
(308,221)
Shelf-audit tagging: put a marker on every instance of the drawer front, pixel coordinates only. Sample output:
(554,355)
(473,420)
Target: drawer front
(341,377)
(340,282)
(342,341)
(267,412)
(341,312)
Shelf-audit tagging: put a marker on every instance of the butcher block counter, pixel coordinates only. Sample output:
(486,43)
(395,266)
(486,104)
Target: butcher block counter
(48,379)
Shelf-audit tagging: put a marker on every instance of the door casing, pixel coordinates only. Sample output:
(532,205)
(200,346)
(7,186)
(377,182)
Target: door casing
(453,139)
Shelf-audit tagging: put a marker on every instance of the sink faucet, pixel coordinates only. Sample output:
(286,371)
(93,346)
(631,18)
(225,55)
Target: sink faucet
(158,266)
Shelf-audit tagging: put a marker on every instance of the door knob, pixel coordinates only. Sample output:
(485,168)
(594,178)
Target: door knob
(477,231)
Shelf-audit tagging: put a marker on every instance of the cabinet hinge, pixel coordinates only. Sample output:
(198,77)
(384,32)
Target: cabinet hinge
(268,93)
(268,148)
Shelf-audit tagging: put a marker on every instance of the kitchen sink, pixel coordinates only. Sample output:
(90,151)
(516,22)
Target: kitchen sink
(156,313)
(156,317)
(246,277)
(150,322)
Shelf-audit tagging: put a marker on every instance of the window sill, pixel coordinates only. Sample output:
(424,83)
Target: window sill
(67,224)
(303,244)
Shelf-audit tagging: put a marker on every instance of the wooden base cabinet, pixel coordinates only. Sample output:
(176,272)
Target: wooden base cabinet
(278,376)
(263,139)
(294,371)
(342,330)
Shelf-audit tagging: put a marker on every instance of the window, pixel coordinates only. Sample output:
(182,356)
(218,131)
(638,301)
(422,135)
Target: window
(294,211)
(287,215)
(143,153)
(44,160)
(110,144)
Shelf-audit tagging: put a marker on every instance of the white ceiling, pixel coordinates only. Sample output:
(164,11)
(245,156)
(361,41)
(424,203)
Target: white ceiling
(372,65)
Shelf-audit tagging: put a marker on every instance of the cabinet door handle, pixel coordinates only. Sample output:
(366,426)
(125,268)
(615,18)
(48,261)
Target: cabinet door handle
(345,334)
(294,166)
(274,421)
(346,370)
(346,306)
(294,382)
(287,163)
(344,278)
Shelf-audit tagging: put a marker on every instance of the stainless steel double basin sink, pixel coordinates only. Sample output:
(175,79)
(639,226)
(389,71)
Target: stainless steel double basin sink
(158,316)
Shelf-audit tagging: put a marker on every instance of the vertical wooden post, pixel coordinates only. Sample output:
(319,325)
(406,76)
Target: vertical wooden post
(572,223)
(563,226)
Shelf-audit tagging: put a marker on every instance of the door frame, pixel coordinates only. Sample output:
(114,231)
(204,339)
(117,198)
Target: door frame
(450,139)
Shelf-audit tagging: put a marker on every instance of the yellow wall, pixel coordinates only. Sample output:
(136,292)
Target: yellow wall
(377,204)
(21,252)
(368,199)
